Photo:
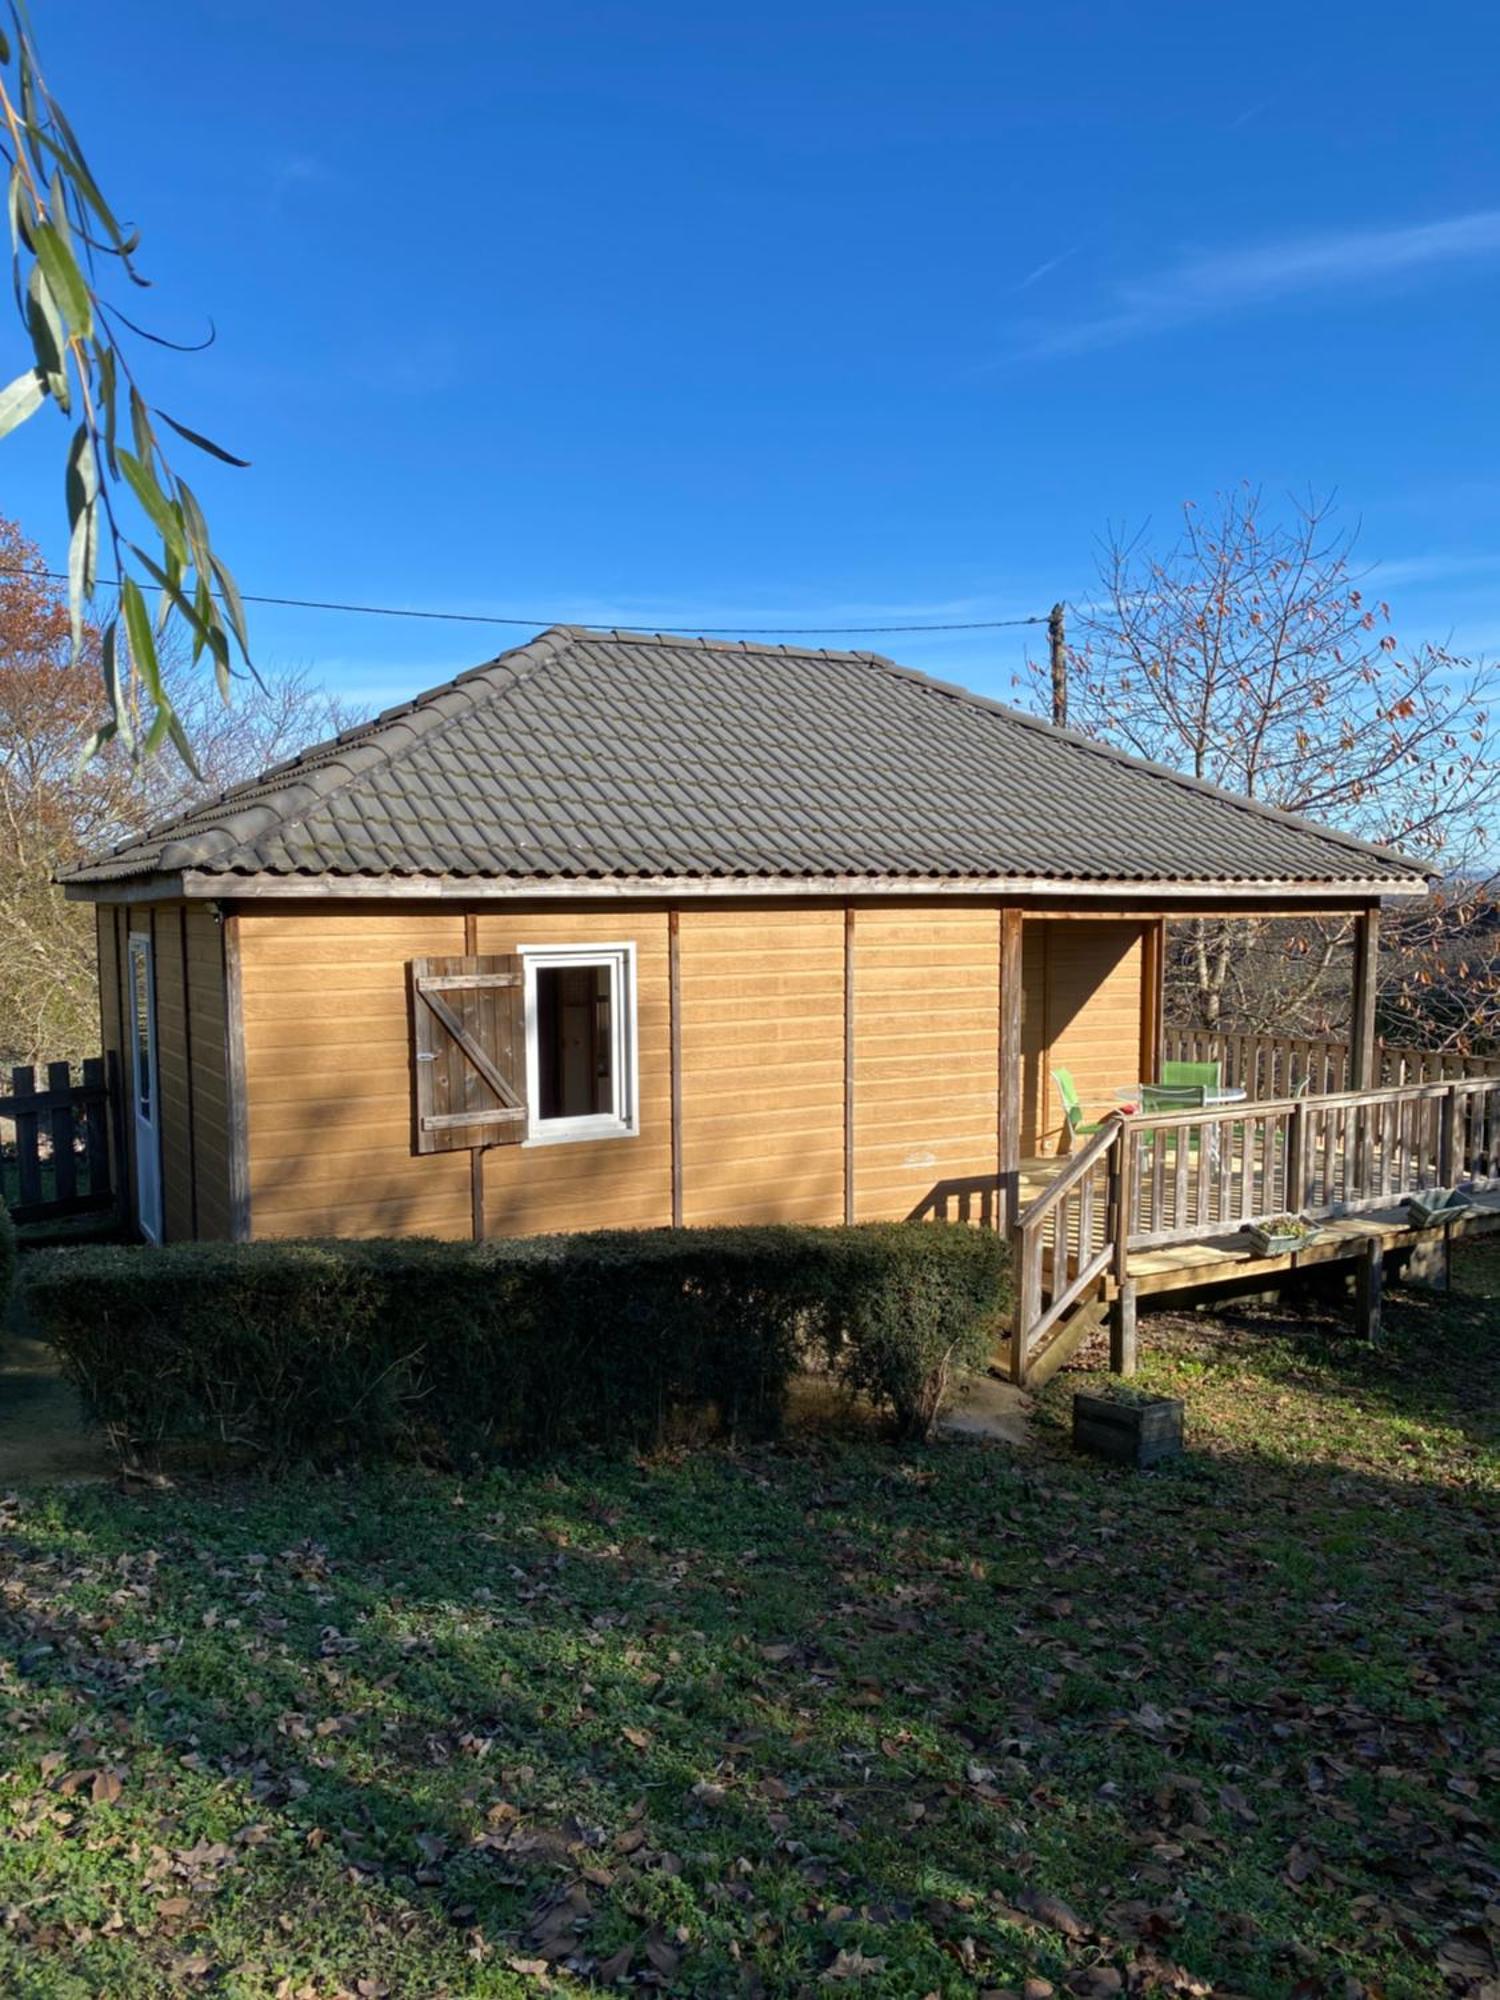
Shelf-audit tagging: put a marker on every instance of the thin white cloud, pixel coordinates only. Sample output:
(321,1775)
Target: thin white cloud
(1200,287)
(1434,568)
(1045,270)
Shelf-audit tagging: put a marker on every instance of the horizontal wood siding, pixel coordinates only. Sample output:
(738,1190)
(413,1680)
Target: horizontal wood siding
(762,1065)
(328,1076)
(926,1049)
(762,1059)
(205,1001)
(600,1183)
(1084,1002)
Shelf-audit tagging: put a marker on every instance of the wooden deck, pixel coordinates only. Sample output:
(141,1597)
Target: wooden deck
(1229,1258)
(1156,1204)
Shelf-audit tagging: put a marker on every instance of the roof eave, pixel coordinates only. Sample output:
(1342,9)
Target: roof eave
(225,886)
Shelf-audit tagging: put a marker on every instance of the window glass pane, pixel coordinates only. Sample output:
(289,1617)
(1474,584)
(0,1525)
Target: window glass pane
(141,1008)
(575,1041)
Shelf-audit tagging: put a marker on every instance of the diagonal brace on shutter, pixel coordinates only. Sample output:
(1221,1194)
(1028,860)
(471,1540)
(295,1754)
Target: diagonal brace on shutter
(470,1047)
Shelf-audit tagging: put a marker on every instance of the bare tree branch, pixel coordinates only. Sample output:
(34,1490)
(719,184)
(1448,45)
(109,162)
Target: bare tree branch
(1250,655)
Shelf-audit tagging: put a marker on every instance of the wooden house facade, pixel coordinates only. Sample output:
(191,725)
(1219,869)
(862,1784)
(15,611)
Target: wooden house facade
(630,931)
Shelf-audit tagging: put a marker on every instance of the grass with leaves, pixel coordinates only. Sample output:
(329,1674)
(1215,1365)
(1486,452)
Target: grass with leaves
(830,1716)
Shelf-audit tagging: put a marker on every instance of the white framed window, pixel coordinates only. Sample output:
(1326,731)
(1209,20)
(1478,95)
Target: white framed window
(580,1042)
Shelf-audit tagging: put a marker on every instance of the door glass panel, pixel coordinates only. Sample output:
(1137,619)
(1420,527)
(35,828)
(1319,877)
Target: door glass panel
(140,989)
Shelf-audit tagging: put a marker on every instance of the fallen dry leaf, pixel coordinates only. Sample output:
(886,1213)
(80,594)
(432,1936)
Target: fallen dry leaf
(854,1964)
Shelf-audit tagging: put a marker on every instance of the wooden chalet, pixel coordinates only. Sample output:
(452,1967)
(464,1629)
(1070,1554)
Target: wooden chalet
(622,930)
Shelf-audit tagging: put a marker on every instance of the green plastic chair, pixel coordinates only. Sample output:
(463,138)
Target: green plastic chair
(1072,1105)
(1182,1074)
(1174,1096)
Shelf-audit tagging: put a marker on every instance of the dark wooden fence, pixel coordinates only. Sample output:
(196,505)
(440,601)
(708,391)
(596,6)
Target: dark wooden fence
(57,1163)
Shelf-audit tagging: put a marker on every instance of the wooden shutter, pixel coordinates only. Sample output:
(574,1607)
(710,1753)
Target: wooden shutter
(468,1022)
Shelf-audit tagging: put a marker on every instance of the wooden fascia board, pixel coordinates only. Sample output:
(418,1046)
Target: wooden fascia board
(1037,895)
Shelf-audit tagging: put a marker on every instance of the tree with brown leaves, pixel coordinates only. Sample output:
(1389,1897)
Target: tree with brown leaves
(55,807)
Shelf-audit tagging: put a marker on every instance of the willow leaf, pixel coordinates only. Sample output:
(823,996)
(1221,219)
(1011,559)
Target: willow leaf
(64,280)
(200,617)
(140,427)
(165,518)
(142,644)
(203,443)
(183,747)
(161,722)
(21,399)
(104,369)
(48,342)
(229,589)
(109,650)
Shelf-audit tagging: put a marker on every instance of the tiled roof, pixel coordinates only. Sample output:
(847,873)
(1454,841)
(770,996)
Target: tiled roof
(607,755)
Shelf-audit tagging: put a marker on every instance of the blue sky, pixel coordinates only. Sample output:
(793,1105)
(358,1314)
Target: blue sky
(807,314)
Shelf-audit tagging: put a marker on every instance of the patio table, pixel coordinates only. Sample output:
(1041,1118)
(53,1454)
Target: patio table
(1128,1096)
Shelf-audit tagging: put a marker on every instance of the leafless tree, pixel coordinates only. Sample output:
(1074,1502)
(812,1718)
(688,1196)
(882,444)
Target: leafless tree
(1250,654)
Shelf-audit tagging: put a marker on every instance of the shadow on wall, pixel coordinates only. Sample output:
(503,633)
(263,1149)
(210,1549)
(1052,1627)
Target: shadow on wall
(975,1199)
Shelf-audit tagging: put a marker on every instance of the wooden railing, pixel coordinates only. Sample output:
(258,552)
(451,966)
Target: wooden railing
(1150,1180)
(1063,1242)
(1270,1066)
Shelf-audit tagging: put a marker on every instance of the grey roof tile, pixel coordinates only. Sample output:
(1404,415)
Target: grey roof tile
(610,755)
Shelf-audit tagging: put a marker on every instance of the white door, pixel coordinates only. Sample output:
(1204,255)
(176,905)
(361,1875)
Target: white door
(145,1093)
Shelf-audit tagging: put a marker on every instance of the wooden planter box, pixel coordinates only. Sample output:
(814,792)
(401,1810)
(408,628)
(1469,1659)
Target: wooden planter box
(1275,1243)
(1436,1205)
(1137,1434)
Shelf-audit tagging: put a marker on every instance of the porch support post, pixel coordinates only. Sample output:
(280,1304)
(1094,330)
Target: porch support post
(1122,1339)
(1012,994)
(1362,1069)
(1369,1273)
(1153,997)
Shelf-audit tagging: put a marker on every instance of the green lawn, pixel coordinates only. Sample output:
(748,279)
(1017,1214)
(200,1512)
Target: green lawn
(831,1716)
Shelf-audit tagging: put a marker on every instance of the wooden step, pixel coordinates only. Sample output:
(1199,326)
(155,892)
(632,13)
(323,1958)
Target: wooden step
(1065,1341)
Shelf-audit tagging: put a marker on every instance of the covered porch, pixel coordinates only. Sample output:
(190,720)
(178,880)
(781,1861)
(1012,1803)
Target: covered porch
(1128,1199)
(1163,1202)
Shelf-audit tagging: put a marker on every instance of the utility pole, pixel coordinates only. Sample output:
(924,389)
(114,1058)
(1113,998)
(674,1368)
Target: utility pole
(1058,643)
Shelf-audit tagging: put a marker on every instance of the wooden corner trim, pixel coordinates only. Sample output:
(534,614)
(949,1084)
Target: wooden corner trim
(236,1081)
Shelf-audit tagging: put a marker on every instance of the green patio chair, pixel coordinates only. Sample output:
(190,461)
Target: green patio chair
(1183,1074)
(1072,1104)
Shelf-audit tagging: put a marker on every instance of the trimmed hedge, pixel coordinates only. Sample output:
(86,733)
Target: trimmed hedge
(326,1349)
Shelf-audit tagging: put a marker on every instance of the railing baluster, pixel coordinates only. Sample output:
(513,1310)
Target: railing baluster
(1180,1177)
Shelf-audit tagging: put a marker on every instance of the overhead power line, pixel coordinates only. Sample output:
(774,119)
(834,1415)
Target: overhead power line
(624,624)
